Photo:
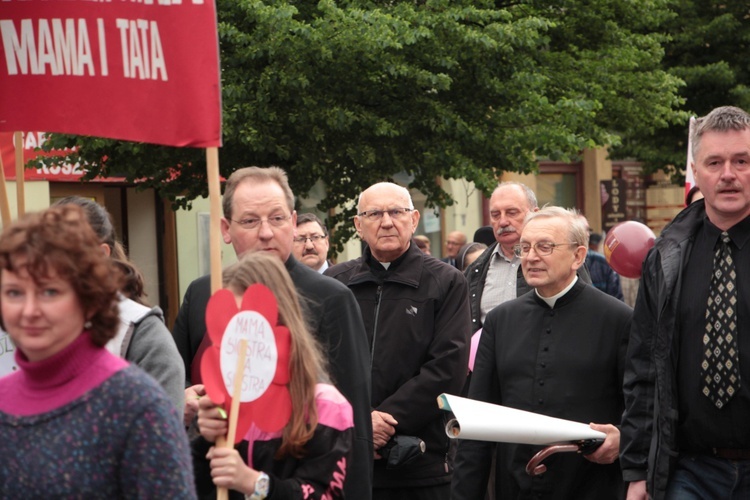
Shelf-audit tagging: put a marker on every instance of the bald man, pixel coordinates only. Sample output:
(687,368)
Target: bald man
(416,314)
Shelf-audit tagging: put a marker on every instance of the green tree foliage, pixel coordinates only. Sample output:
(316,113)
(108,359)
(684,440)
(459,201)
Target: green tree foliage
(354,92)
(707,49)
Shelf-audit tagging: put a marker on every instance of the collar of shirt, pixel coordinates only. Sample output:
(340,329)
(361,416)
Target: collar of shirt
(551,300)
(739,233)
(499,251)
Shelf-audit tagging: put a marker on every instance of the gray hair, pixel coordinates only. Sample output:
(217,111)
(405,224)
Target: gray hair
(578,232)
(527,191)
(403,190)
(721,119)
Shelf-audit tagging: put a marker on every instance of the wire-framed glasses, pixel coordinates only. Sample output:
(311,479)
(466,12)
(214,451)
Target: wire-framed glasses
(541,248)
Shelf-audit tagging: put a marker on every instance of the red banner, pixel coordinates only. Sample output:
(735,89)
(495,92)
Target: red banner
(137,70)
(49,172)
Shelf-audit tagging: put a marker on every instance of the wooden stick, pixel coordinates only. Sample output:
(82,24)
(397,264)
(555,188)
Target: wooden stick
(4,205)
(234,411)
(214,198)
(21,198)
(237,392)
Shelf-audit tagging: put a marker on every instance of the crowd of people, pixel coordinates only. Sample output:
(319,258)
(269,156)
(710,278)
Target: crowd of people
(106,402)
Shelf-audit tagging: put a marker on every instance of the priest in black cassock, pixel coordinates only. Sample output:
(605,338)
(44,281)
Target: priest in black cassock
(558,350)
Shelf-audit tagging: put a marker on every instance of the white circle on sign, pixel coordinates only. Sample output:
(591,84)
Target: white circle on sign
(260,358)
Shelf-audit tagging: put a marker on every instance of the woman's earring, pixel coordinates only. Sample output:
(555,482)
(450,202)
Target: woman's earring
(87,325)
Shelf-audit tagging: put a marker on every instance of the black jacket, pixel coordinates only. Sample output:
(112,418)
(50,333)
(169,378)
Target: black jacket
(333,316)
(318,474)
(416,316)
(648,440)
(565,362)
(476,274)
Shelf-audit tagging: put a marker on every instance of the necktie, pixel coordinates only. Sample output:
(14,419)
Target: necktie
(721,364)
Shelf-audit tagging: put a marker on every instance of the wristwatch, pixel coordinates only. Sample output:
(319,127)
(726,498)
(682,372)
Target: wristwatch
(262,485)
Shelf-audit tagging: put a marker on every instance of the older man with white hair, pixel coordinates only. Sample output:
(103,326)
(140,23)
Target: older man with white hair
(558,350)
(416,314)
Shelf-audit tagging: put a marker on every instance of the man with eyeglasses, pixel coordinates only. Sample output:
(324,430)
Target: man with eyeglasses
(311,242)
(259,216)
(416,315)
(558,350)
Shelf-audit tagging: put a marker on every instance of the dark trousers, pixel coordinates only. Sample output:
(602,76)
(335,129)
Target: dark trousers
(440,492)
(702,477)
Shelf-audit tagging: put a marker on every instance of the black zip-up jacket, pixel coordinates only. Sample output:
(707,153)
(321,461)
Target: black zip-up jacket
(648,436)
(416,316)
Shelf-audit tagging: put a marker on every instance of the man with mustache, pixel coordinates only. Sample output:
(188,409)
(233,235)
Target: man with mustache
(496,277)
(311,242)
(684,432)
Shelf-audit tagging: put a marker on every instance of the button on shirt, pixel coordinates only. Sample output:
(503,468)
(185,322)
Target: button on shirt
(500,282)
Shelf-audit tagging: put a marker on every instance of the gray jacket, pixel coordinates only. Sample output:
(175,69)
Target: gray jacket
(144,340)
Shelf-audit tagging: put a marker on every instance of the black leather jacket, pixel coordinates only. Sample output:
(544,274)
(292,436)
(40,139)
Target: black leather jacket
(648,436)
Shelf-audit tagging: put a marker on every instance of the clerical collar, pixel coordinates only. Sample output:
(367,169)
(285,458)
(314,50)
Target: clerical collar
(551,300)
(381,269)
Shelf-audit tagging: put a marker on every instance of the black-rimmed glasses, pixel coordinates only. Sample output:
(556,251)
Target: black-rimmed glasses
(393,213)
(313,238)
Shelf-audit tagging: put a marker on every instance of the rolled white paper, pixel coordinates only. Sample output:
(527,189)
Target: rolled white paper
(482,421)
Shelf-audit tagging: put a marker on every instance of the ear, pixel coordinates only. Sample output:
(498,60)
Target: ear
(579,257)
(105,248)
(358,225)
(225,231)
(414,220)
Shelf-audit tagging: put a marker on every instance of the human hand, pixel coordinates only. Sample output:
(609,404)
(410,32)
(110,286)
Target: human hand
(383,428)
(212,419)
(228,470)
(192,395)
(637,491)
(610,448)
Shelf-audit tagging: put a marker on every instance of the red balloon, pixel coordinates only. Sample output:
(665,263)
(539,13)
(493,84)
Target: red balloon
(626,246)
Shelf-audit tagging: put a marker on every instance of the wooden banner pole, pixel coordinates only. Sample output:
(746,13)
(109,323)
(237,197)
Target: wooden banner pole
(4,205)
(21,198)
(214,198)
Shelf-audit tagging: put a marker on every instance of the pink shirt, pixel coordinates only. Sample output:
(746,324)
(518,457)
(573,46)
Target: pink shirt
(42,386)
